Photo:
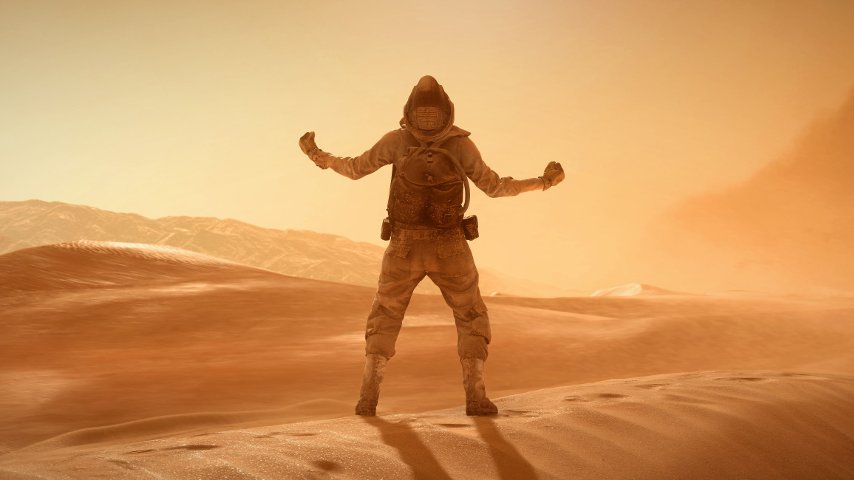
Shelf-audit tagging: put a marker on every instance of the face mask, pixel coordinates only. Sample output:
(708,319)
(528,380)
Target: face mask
(427,118)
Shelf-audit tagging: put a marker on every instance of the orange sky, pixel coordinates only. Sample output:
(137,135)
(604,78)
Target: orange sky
(195,108)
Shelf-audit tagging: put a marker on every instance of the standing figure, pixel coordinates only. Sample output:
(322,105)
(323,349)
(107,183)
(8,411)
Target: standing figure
(432,160)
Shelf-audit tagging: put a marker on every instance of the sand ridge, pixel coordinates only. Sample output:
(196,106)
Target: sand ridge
(157,367)
(86,263)
(719,424)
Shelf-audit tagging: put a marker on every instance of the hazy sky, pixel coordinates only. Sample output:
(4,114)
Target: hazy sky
(194,108)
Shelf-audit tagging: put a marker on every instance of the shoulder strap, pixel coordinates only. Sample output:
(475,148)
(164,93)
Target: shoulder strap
(435,147)
(390,185)
(460,171)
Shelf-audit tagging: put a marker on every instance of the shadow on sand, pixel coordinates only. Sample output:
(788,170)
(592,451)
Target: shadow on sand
(412,450)
(508,461)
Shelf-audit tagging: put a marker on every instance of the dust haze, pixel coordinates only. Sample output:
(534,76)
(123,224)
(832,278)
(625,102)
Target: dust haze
(183,294)
(787,229)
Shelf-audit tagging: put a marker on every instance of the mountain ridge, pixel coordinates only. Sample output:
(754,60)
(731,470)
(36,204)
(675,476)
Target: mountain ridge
(299,253)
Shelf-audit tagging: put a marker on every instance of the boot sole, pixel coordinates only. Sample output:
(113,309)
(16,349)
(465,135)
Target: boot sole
(366,411)
(481,414)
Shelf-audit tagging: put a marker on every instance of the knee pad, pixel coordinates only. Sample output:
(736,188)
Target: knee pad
(473,346)
(380,344)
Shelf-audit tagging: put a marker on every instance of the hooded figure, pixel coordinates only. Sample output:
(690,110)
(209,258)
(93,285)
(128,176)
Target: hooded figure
(432,160)
(429,111)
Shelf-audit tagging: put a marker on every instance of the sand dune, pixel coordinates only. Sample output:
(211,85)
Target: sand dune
(168,365)
(633,290)
(86,264)
(705,425)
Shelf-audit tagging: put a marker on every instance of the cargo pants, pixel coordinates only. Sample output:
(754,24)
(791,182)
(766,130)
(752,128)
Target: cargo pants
(445,257)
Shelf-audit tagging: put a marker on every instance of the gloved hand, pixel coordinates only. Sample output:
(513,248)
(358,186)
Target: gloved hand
(552,175)
(308,147)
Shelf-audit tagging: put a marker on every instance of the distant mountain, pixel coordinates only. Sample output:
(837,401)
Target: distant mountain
(789,227)
(291,252)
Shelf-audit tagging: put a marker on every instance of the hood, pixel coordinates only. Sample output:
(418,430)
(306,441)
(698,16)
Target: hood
(428,92)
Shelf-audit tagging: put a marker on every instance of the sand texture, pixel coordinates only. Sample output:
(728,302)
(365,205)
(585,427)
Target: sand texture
(132,361)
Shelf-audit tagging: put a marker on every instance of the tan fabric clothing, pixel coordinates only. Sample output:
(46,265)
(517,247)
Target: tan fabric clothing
(441,254)
(445,257)
(392,147)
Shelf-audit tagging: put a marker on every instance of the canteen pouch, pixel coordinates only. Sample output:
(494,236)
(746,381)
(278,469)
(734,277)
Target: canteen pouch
(470,227)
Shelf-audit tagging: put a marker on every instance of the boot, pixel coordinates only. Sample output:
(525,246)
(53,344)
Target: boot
(476,402)
(371,379)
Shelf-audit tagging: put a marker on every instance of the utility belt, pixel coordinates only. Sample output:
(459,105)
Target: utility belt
(420,232)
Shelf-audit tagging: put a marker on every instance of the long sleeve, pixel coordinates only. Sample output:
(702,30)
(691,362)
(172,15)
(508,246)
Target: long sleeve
(486,179)
(383,153)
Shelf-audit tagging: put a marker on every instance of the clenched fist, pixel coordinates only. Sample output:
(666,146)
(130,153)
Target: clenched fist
(552,175)
(308,147)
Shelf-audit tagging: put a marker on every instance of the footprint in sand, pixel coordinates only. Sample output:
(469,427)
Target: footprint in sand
(274,434)
(598,396)
(191,447)
(454,425)
(611,396)
(651,386)
(744,379)
(326,465)
(804,376)
(520,413)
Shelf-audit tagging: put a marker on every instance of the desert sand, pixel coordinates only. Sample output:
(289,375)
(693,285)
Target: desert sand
(138,361)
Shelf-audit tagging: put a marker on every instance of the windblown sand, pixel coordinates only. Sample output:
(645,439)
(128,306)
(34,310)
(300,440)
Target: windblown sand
(129,361)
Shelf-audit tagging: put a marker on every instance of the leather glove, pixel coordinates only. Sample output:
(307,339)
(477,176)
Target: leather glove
(552,175)
(308,147)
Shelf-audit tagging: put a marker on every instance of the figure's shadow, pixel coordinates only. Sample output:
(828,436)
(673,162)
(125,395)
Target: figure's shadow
(509,462)
(511,465)
(412,450)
